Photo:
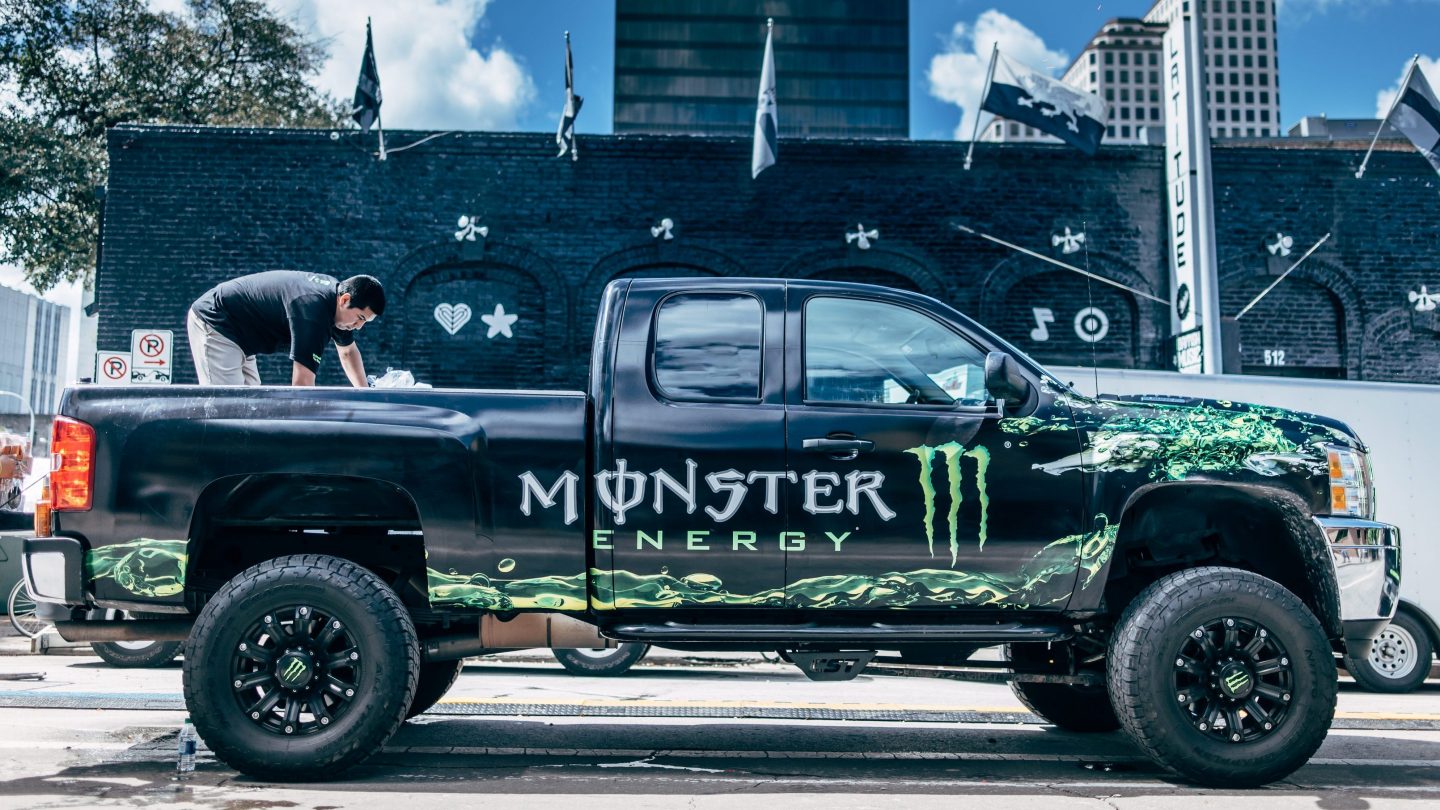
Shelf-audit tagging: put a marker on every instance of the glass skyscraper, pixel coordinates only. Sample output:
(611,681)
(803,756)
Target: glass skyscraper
(693,66)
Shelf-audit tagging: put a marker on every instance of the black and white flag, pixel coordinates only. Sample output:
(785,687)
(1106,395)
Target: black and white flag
(764,152)
(1053,107)
(1417,114)
(565,135)
(366,107)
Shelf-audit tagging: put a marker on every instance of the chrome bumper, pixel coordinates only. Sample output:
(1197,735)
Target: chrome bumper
(52,568)
(1366,556)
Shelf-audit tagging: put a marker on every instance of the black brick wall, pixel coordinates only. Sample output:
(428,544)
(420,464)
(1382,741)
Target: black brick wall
(189,207)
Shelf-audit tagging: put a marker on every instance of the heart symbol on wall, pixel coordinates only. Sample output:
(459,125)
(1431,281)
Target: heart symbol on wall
(452,316)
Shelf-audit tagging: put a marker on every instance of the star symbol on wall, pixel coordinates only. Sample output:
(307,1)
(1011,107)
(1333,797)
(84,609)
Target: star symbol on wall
(499,322)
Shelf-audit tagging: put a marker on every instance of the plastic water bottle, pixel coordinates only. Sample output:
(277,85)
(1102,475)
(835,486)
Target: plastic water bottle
(185,759)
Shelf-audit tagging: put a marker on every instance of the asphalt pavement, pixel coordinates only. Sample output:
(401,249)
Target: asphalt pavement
(704,730)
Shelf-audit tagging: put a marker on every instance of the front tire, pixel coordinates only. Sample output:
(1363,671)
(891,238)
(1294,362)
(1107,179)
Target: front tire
(602,663)
(1222,676)
(301,667)
(1399,660)
(1072,707)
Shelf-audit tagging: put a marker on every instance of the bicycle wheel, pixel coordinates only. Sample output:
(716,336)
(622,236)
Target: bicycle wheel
(22,612)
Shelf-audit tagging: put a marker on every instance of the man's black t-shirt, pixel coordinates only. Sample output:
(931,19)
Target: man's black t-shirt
(265,311)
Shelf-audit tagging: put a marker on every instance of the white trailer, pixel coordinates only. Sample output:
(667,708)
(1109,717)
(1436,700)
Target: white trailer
(1398,423)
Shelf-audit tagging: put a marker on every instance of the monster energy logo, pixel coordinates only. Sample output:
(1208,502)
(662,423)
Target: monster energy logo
(953,453)
(1236,681)
(293,671)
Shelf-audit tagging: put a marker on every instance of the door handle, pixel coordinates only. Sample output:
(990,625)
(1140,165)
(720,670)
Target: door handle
(840,449)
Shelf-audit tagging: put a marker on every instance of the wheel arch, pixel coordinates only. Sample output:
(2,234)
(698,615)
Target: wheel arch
(1168,526)
(242,520)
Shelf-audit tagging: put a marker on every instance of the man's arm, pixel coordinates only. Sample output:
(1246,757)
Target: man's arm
(301,375)
(353,365)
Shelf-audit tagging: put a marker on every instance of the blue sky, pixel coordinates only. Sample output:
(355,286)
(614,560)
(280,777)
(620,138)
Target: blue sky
(1335,56)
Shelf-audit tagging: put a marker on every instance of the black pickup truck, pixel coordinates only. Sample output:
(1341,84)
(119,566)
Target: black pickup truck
(819,469)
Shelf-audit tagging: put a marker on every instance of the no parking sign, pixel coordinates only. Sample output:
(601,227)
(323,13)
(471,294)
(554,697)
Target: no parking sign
(112,368)
(150,354)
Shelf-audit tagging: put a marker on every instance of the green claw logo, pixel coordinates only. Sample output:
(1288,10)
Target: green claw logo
(952,452)
(1236,681)
(293,671)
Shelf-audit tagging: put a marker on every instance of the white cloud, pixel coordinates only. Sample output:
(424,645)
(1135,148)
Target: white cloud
(431,75)
(957,73)
(1429,65)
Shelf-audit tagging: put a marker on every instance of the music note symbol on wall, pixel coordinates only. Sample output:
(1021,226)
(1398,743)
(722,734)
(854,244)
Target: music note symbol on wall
(1043,315)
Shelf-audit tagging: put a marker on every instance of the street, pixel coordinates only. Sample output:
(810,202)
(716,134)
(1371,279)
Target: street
(518,729)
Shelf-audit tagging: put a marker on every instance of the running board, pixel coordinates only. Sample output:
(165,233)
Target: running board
(871,636)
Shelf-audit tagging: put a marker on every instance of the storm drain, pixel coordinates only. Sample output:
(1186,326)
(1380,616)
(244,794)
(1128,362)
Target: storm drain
(36,699)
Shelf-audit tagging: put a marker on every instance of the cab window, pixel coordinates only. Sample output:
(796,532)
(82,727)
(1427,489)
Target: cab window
(859,351)
(707,347)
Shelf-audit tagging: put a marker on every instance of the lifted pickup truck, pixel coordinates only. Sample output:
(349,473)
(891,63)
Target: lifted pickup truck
(819,469)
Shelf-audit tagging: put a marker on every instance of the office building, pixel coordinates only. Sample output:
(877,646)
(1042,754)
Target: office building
(33,338)
(693,67)
(1122,63)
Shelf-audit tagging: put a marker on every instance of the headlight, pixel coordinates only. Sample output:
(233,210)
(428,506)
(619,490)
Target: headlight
(1350,483)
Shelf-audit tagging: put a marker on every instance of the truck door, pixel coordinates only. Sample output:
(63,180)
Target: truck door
(910,492)
(690,479)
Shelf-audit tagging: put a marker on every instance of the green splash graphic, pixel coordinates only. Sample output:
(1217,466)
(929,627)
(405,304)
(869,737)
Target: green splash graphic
(1174,441)
(1046,579)
(955,476)
(144,567)
(483,593)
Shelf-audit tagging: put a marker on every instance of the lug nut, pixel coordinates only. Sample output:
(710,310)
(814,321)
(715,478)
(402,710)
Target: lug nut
(237,684)
(349,693)
(1229,622)
(254,715)
(324,721)
(1234,738)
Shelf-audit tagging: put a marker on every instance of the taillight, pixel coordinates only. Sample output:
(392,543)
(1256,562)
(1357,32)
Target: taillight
(72,465)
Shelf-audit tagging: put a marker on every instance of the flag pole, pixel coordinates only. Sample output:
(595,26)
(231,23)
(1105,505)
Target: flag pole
(1273,284)
(989,74)
(1404,83)
(380,128)
(1059,263)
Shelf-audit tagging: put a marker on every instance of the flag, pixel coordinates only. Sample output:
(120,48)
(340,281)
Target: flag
(763,155)
(366,106)
(1053,107)
(565,135)
(1418,116)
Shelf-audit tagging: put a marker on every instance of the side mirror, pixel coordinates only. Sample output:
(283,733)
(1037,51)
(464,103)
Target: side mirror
(1004,381)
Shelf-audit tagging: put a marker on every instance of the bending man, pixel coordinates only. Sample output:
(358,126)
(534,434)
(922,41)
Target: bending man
(267,312)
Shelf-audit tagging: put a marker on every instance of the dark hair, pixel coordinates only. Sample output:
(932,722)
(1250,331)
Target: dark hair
(366,292)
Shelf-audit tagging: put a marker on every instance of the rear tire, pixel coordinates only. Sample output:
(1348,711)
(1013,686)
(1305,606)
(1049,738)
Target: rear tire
(301,667)
(1071,707)
(1222,676)
(136,654)
(435,680)
(602,663)
(1399,660)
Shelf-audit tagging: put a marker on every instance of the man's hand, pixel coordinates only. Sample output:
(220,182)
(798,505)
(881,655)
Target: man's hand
(300,375)
(353,365)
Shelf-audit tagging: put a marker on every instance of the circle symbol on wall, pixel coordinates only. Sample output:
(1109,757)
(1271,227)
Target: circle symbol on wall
(1182,301)
(115,368)
(152,345)
(1092,324)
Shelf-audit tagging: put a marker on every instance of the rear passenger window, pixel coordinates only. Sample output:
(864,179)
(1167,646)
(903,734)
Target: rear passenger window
(707,347)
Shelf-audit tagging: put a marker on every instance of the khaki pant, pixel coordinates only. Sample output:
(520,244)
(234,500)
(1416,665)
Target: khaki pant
(218,360)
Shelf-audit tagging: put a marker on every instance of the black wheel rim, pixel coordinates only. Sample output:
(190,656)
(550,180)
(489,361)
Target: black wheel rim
(1234,680)
(296,670)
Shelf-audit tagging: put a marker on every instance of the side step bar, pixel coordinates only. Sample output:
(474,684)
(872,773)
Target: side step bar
(867,636)
(126,630)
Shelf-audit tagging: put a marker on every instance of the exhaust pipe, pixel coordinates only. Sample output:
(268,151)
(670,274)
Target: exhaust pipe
(126,630)
(523,632)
